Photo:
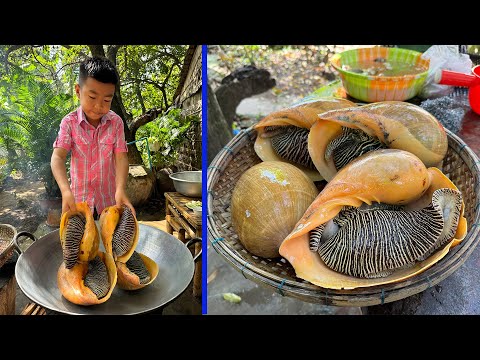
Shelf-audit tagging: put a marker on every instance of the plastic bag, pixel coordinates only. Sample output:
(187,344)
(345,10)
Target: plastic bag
(443,57)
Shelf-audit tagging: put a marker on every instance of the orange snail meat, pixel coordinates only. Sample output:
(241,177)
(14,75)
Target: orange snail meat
(341,135)
(120,233)
(282,135)
(395,179)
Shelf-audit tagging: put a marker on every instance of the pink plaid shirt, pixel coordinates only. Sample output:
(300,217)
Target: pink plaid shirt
(92,165)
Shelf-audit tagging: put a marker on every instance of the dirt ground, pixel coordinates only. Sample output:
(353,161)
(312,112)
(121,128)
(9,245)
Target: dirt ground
(297,70)
(19,203)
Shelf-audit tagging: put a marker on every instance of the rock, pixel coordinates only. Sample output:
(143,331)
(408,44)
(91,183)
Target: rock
(164,183)
(140,184)
(240,84)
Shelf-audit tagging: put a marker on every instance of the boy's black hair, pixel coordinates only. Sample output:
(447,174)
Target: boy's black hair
(99,68)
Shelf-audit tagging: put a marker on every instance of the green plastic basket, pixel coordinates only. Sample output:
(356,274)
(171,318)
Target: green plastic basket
(372,88)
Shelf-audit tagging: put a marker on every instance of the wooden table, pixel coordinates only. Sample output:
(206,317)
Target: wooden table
(185,222)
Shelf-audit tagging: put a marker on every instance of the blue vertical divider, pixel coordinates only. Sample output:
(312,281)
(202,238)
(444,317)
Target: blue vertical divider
(204,179)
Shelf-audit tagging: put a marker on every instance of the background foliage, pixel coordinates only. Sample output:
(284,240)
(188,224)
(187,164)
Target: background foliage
(165,134)
(37,91)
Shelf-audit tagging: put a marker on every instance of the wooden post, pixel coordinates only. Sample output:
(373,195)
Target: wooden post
(168,215)
(181,235)
(197,277)
(7,294)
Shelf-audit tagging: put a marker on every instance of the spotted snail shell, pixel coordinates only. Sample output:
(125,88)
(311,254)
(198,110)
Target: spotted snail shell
(267,201)
(341,135)
(120,232)
(282,135)
(86,275)
(344,242)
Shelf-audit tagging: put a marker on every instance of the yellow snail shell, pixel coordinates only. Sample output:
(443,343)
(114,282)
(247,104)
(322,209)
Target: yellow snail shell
(267,201)
(387,124)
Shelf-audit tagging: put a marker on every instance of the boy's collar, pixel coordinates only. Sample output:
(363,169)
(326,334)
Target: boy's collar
(81,116)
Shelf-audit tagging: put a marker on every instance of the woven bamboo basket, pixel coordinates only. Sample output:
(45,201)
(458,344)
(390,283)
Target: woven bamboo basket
(7,234)
(461,165)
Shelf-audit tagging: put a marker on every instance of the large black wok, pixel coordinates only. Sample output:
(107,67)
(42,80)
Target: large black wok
(36,274)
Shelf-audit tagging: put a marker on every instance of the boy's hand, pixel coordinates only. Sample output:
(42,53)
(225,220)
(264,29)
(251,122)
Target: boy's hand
(122,199)
(68,202)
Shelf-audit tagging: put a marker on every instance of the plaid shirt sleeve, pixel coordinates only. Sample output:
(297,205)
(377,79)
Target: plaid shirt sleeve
(64,137)
(120,144)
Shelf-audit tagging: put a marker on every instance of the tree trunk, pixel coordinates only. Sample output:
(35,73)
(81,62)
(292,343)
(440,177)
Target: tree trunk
(134,156)
(219,133)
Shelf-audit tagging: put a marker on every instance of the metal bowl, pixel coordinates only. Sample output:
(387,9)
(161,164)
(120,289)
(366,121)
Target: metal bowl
(188,183)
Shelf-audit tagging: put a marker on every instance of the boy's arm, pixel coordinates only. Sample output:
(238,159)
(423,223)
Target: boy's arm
(121,175)
(59,171)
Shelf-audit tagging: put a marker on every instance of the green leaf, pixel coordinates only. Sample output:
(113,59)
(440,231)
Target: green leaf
(231,297)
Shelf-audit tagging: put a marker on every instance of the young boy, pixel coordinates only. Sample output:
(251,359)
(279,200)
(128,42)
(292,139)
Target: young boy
(94,134)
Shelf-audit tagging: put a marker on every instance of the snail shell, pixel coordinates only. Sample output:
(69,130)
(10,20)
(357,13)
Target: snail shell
(267,201)
(138,272)
(86,275)
(79,235)
(388,176)
(374,241)
(297,120)
(119,229)
(76,284)
(120,233)
(388,124)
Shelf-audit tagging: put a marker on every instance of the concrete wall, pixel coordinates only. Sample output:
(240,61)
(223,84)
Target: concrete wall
(190,101)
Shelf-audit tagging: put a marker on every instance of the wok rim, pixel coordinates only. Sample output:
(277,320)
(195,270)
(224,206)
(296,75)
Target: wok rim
(49,306)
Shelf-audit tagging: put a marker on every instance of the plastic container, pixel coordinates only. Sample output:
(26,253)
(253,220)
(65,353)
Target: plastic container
(472,81)
(371,88)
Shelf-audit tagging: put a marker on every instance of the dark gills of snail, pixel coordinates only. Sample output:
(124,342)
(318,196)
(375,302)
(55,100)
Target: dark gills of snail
(283,135)
(383,216)
(290,143)
(124,234)
(374,241)
(86,275)
(120,234)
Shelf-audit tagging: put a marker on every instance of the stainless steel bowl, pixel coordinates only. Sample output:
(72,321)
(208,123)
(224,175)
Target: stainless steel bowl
(188,183)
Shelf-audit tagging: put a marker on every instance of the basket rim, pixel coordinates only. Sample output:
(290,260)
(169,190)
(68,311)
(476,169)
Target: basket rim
(362,296)
(7,252)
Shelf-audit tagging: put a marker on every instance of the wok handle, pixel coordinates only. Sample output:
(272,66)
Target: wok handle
(193,241)
(22,233)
